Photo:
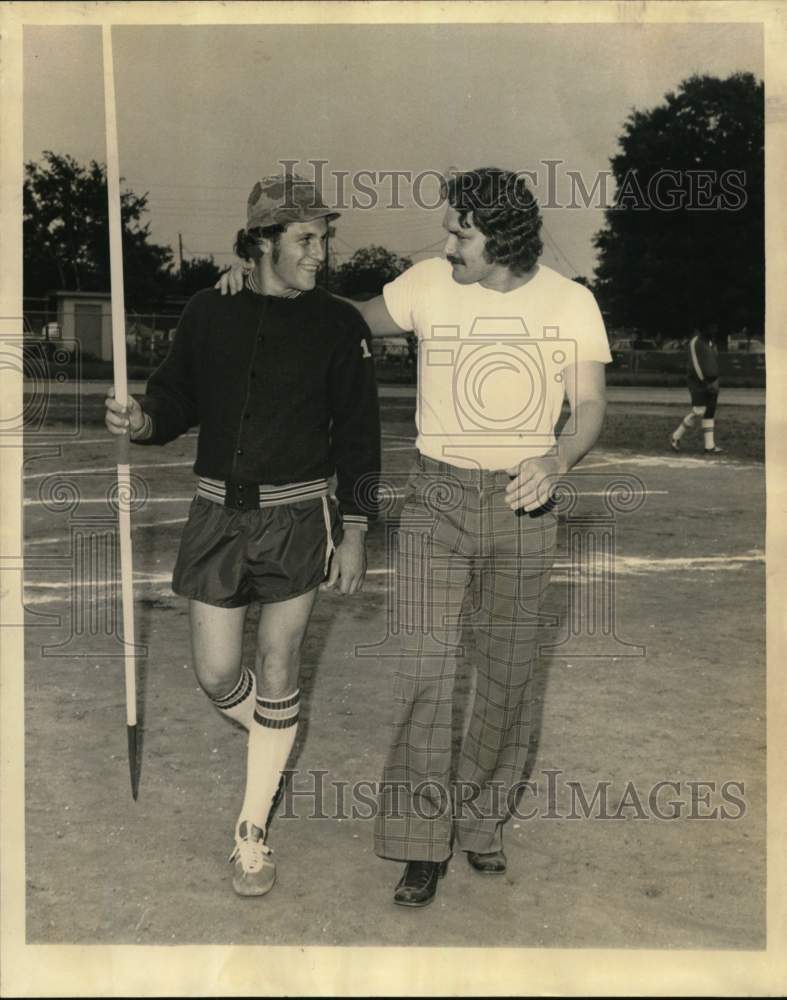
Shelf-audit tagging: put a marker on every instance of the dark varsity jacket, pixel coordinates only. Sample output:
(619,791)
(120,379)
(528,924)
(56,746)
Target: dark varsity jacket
(703,361)
(283,391)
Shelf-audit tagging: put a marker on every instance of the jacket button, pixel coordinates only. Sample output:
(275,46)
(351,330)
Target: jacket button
(239,451)
(240,503)
(240,486)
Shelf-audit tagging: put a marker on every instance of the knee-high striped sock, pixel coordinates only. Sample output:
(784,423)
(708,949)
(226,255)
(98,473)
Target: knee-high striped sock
(707,429)
(685,425)
(238,704)
(271,738)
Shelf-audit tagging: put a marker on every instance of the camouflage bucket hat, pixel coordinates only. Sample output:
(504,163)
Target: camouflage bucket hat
(283,198)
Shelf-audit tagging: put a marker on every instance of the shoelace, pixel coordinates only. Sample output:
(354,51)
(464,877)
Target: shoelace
(424,875)
(252,854)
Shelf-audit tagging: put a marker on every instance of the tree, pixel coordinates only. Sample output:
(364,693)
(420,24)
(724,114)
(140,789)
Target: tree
(366,272)
(66,234)
(197,274)
(684,241)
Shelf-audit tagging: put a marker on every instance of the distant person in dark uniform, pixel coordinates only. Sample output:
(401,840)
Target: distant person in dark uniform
(703,382)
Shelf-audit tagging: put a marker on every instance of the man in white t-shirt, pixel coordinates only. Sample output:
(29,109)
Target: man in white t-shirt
(502,340)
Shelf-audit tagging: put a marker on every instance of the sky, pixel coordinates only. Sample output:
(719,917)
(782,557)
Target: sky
(204,111)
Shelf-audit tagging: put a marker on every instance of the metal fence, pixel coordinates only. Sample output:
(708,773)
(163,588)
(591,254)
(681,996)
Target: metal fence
(148,335)
(42,324)
(748,363)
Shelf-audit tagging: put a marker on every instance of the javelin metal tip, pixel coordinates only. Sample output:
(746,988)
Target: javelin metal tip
(132,760)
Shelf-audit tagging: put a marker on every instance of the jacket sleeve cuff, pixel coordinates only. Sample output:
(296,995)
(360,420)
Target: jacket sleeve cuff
(145,432)
(359,521)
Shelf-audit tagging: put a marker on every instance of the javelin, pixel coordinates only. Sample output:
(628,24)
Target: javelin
(121,395)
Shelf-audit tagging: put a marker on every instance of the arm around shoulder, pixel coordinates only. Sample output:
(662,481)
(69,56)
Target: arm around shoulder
(375,314)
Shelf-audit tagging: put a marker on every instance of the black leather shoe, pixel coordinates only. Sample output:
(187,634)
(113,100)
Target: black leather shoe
(418,885)
(488,864)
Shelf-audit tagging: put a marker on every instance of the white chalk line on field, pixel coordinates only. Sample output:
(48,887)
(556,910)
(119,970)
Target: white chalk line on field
(404,443)
(53,502)
(136,527)
(107,439)
(640,564)
(563,572)
(150,465)
(188,499)
(410,443)
(670,461)
(106,468)
(636,493)
(626,563)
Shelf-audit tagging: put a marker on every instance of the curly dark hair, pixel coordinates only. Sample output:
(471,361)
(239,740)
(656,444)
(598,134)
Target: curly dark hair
(247,242)
(504,209)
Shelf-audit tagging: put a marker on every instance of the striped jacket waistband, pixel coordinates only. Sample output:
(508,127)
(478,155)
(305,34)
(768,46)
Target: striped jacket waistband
(269,496)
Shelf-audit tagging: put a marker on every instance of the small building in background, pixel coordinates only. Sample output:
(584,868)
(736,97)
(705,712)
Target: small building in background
(87,318)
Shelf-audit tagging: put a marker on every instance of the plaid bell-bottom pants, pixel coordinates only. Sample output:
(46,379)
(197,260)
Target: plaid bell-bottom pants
(464,559)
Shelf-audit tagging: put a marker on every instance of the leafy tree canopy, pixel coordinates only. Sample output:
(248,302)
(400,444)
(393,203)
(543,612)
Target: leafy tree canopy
(366,272)
(66,238)
(684,243)
(197,273)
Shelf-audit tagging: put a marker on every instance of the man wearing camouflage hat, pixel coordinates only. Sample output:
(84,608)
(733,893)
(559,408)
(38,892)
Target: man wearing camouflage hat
(281,383)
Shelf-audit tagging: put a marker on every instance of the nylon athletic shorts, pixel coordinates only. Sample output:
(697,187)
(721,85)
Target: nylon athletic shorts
(231,558)
(702,396)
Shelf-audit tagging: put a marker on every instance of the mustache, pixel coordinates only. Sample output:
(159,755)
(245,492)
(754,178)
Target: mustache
(453,260)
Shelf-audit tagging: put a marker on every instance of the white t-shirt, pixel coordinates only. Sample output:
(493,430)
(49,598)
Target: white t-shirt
(491,364)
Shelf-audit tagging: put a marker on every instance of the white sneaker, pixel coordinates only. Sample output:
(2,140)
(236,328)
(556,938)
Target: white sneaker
(674,443)
(255,870)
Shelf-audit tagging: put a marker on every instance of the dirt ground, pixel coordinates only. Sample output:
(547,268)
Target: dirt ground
(690,710)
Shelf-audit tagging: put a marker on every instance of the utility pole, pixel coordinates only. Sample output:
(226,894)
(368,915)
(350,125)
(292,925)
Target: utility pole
(327,266)
(180,252)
